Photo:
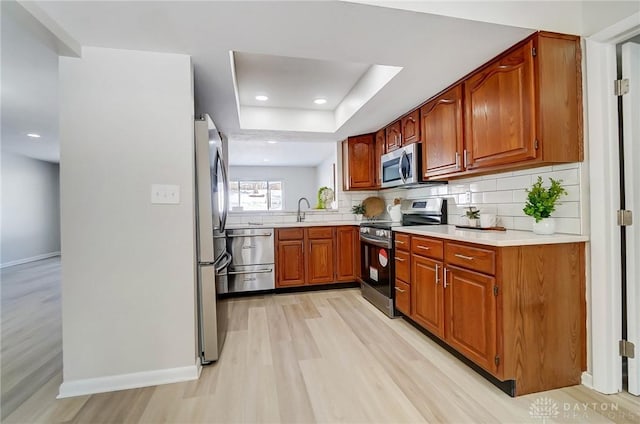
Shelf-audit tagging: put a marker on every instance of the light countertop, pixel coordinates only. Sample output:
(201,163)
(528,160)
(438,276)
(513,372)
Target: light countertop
(490,238)
(293,224)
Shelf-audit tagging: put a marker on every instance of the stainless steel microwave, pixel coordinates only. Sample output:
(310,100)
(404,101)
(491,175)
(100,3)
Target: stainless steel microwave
(400,167)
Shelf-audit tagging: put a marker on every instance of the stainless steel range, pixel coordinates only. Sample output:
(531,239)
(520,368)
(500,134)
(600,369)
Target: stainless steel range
(377,250)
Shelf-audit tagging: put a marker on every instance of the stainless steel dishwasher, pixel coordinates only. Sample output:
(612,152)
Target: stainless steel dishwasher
(252,266)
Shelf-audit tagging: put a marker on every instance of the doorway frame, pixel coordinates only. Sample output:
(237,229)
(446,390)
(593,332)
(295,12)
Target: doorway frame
(604,291)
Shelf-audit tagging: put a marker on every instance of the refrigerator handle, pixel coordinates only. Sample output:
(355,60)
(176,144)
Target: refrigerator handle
(225,180)
(225,263)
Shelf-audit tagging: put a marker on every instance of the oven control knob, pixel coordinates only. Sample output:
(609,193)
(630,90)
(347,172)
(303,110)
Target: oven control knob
(381,233)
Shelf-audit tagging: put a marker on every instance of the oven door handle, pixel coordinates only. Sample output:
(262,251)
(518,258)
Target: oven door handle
(378,243)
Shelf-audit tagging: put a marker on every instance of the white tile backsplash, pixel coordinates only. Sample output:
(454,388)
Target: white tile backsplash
(503,194)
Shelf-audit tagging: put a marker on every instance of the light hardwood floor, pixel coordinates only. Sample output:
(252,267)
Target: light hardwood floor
(31,330)
(328,357)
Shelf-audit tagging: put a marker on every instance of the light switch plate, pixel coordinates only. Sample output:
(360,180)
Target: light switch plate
(165,194)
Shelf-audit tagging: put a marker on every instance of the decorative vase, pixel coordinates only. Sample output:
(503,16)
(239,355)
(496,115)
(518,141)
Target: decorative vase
(546,226)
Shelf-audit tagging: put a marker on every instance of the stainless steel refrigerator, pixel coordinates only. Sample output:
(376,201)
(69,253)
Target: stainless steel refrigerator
(212,204)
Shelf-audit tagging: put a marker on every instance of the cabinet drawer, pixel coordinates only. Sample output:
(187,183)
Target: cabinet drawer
(427,247)
(403,297)
(290,234)
(403,266)
(470,257)
(320,232)
(402,241)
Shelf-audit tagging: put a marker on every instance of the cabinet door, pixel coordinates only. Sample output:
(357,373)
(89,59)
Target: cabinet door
(500,111)
(319,258)
(360,157)
(346,244)
(442,146)
(290,264)
(410,128)
(427,294)
(403,297)
(378,152)
(393,137)
(470,315)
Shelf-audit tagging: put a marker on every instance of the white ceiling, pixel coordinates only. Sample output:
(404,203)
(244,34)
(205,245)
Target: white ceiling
(29,85)
(294,82)
(433,50)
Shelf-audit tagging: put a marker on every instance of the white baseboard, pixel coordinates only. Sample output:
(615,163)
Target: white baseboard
(587,380)
(31,259)
(135,380)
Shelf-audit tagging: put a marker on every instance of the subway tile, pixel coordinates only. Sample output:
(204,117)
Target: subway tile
(563,166)
(511,183)
(458,188)
(505,221)
(477,198)
(533,171)
(511,209)
(519,196)
(523,223)
(568,225)
(500,175)
(567,210)
(568,177)
(272,219)
(483,185)
(573,194)
(497,197)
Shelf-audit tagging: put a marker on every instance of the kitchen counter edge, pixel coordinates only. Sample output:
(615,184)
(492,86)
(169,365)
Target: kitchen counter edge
(490,238)
(292,224)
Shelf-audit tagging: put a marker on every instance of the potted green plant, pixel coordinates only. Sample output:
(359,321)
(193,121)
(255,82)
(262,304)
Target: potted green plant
(472,215)
(358,210)
(541,202)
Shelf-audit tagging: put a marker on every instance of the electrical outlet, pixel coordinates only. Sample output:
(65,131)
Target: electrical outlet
(465,198)
(165,194)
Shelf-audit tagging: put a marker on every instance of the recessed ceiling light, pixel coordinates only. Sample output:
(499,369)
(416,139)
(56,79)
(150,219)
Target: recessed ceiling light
(262,98)
(33,135)
(266,160)
(272,142)
(320,101)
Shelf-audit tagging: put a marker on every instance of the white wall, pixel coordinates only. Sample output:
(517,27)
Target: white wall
(30,209)
(126,122)
(299,181)
(325,176)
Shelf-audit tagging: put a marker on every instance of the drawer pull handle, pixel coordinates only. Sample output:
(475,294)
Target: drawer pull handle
(400,259)
(399,242)
(424,248)
(400,290)
(469,258)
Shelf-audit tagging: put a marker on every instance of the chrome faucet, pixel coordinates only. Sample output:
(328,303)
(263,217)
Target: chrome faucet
(301,214)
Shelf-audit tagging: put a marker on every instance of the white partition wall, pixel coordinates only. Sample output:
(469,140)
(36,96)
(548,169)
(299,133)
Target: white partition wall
(126,122)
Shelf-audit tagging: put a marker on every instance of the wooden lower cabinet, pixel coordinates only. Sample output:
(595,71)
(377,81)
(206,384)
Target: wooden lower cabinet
(427,293)
(518,312)
(470,316)
(347,253)
(403,297)
(290,266)
(316,255)
(320,269)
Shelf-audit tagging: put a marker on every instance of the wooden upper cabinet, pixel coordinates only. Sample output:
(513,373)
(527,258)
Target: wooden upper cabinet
(380,140)
(470,316)
(358,162)
(410,128)
(500,111)
(393,136)
(347,243)
(442,134)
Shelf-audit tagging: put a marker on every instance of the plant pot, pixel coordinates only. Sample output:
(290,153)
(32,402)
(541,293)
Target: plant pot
(473,222)
(546,226)
(358,217)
